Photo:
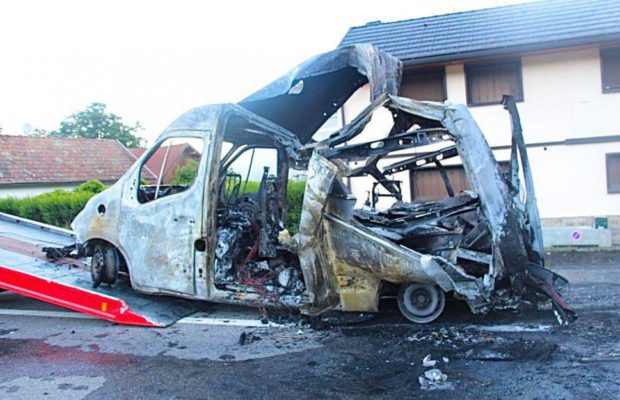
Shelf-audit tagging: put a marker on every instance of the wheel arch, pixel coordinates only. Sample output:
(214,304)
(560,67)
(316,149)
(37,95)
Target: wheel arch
(90,243)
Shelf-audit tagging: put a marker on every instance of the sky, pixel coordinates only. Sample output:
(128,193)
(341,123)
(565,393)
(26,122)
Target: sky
(150,61)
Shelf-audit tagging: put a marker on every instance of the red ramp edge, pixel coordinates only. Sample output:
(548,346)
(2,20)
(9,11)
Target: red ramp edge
(74,298)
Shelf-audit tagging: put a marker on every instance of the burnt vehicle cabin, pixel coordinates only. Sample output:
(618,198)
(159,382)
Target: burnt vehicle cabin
(251,212)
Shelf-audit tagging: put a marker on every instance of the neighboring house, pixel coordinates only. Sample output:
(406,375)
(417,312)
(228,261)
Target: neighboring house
(31,165)
(560,59)
(175,156)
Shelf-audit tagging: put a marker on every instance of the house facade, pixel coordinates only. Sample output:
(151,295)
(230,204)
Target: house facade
(31,165)
(561,61)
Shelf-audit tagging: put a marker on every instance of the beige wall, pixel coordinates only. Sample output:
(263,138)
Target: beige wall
(571,181)
(562,99)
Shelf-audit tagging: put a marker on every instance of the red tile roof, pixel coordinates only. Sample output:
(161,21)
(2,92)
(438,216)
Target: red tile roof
(35,159)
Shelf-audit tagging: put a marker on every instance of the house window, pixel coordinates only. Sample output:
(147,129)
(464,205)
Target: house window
(424,85)
(488,82)
(610,69)
(427,184)
(613,172)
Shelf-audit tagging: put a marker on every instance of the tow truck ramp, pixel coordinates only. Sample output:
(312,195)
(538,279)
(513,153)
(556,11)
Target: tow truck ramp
(66,283)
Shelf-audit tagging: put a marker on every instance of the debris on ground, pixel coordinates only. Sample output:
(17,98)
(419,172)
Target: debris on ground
(248,338)
(57,253)
(427,362)
(487,355)
(454,337)
(434,379)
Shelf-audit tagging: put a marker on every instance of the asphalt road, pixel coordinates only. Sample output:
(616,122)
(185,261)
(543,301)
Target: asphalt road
(48,353)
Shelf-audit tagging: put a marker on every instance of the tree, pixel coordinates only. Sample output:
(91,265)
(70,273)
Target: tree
(96,122)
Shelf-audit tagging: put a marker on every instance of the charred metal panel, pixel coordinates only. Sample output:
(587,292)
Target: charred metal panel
(518,146)
(157,238)
(485,177)
(302,100)
(319,276)
(356,252)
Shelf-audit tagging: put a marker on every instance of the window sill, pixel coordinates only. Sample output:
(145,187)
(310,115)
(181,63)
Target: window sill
(493,103)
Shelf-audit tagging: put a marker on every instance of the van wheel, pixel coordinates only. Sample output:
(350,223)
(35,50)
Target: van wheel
(104,265)
(421,303)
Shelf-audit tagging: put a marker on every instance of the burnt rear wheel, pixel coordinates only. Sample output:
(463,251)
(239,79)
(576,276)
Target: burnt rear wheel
(104,265)
(421,303)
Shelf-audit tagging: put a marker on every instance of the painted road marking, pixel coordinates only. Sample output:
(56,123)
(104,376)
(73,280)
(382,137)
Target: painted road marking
(197,320)
(248,323)
(512,328)
(202,319)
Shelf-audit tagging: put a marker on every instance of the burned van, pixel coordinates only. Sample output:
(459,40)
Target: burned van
(203,213)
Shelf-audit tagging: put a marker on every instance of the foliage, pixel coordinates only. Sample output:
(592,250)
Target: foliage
(250,187)
(55,208)
(93,186)
(96,122)
(60,207)
(186,174)
(295,199)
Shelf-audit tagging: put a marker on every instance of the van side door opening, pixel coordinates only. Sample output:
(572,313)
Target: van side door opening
(251,215)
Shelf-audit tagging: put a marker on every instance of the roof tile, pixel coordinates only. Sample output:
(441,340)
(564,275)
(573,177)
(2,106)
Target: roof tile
(35,159)
(543,24)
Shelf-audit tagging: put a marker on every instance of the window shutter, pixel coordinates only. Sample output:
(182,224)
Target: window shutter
(610,69)
(424,85)
(487,83)
(613,172)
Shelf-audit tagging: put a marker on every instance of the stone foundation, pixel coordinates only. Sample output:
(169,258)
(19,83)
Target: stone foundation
(612,220)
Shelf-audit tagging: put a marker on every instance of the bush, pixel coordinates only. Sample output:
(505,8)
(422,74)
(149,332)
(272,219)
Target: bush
(60,207)
(93,186)
(55,208)
(295,199)
(250,187)
(294,195)
(9,205)
(186,174)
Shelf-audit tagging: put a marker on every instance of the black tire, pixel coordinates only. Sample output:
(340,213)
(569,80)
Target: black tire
(421,303)
(104,265)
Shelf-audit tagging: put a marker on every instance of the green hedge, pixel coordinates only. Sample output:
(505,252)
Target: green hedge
(93,187)
(60,207)
(295,199)
(55,208)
